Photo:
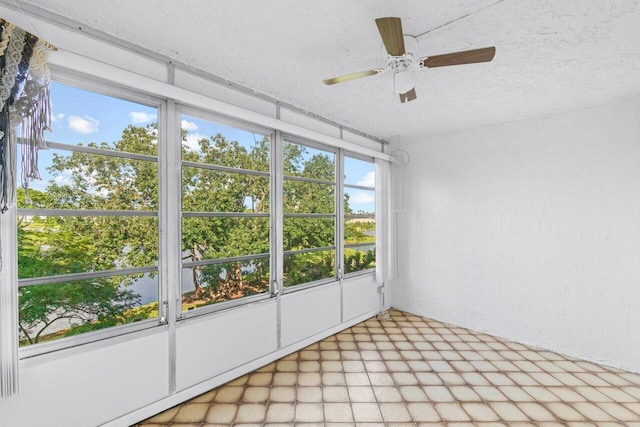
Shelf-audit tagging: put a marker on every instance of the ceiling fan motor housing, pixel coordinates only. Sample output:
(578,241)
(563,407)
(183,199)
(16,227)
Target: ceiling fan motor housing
(403,66)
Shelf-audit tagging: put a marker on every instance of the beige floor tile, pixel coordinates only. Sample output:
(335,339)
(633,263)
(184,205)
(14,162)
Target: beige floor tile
(256,394)
(474,378)
(452,412)
(205,397)
(333,378)
(381,379)
(261,378)
(387,394)
(428,378)
(375,366)
(451,378)
(619,412)
(280,413)
(361,394)
(309,366)
(423,412)
(309,412)
(309,394)
(545,379)
(568,379)
(366,412)
(357,378)
(616,394)
(331,366)
(338,412)
(464,394)
(592,412)
(567,394)
(251,413)
(229,394)
(404,378)
(591,379)
(508,411)
(394,412)
(480,412)
(335,394)
(284,378)
(490,393)
(309,355)
(536,412)
(353,366)
(221,413)
(413,394)
(239,381)
(439,393)
(287,366)
(541,394)
(308,379)
(632,391)
(565,412)
(282,394)
(518,394)
(592,394)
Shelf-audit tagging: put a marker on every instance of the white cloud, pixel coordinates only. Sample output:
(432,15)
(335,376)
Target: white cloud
(84,124)
(57,117)
(141,117)
(369,180)
(189,126)
(192,141)
(361,197)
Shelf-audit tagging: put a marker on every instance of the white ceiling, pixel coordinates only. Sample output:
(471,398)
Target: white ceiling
(552,56)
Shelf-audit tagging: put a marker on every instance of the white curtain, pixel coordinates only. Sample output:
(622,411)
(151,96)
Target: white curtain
(8,306)
(385,249)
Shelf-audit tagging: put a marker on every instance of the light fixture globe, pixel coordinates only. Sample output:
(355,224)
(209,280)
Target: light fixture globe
(403,80)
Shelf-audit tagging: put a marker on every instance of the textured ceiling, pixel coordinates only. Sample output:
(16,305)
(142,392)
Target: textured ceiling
(551,55)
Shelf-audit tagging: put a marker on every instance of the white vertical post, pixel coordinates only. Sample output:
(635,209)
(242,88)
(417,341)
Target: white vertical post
(277,224)
(171,227)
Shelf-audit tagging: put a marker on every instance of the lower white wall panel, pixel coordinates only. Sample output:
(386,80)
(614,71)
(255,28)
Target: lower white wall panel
(211,345)
(360,295)
(90,387)
(308,312)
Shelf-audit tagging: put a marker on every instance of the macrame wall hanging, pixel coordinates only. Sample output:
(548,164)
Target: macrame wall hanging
(25,102)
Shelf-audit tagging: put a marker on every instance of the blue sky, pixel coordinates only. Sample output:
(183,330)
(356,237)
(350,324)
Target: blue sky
(80,116)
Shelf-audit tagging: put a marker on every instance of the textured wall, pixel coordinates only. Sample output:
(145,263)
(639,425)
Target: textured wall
(529,230)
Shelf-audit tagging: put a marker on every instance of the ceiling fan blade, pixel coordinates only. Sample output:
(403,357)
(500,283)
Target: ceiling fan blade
(392,37)
(353,76)
(458,58)
(408,96)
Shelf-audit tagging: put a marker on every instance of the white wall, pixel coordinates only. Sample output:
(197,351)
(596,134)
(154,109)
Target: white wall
(530,231)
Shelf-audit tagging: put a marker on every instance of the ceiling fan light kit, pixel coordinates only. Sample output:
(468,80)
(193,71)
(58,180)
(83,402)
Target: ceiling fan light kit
(401,50)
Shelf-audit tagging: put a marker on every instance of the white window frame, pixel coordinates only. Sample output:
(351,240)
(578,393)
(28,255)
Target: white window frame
(88,83)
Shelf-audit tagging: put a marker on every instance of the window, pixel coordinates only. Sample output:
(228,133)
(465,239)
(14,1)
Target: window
(309,214)
(359,215)
(90,242)
(225,213)
(88,232)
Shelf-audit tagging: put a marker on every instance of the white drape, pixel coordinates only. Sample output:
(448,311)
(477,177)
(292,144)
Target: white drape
(9,384)
(384,226)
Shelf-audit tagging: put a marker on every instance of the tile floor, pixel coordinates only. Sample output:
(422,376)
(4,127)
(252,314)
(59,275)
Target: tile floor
(414,371)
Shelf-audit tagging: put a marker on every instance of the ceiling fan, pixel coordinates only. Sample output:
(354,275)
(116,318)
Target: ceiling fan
(401,50)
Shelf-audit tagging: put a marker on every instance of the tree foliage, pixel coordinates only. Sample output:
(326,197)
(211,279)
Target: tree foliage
(68,244)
